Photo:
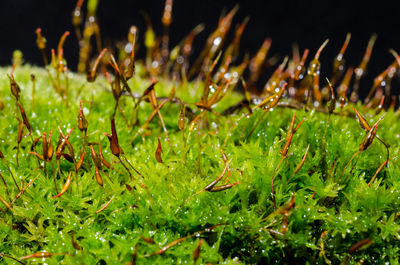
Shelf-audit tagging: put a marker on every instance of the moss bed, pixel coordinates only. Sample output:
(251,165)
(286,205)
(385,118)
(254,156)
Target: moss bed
(322,211)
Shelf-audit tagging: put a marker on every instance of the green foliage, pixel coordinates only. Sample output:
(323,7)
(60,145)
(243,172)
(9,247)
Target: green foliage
(331,212)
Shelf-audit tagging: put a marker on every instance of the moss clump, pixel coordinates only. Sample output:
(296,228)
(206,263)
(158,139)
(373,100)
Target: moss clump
(319,217)
(161,163)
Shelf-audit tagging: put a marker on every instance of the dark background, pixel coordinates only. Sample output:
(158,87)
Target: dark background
(308,23)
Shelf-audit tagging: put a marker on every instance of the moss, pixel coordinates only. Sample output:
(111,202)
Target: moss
(327,219)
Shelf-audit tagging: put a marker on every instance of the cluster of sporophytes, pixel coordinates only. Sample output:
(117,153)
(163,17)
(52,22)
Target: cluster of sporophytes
(163,162)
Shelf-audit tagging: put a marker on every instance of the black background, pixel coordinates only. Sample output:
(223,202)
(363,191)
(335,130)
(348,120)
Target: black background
(308,23)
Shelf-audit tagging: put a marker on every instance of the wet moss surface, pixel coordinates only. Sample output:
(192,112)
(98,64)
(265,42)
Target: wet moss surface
(219,159)
(327,208)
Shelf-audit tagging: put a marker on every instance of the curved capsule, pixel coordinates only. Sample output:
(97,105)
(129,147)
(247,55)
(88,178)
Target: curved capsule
(196,252)
(148,240)
(98,177)
(158,152)
(68,157)
(106,164)
(113,138)
(338,63)
(131,66)
(380,106)
(360,70)
(315,65)
(82,122)
(91,76)
(344,86)
(368,139)
(257,61)
(181,120)
(53,62)
(74,243)
(300,165)
(332,102)
(278,96)
(66,186)
(37,155)
(15,89)
(41,41)
(275,78)
(61,146)
(208,80)
(24,118)
(61,42)
(214,43)
(76,15)
(96,159)
(233,48)
(360,244)
(364,124)
(300,66)
(20,132)
(43,254)
(273,99)
(80,162)
(317,93)
(383,79)
(50,148)
(214,182)
(70,148)
(105,206)
(223,187)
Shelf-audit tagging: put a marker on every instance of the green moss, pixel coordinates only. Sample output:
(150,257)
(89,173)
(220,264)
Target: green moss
(250,230)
